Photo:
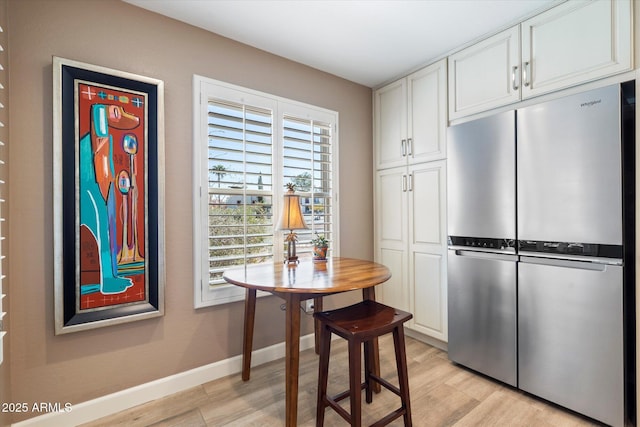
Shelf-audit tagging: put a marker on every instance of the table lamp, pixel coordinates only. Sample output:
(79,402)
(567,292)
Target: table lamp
(291,219)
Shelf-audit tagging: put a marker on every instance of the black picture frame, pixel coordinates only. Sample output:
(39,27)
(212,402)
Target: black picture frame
(106,120)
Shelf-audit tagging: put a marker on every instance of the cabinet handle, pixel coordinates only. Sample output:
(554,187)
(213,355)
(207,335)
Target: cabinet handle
(403,144)
(525,74)
(404,183)
(410,182)
(514,71)
(410,146)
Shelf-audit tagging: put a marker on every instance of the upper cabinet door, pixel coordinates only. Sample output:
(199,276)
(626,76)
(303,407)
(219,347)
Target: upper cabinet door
(427,113)
(485,75)
(575,42)
(390,109)
(410,117)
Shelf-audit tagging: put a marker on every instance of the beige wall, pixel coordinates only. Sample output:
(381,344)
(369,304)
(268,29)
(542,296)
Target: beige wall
(85,365)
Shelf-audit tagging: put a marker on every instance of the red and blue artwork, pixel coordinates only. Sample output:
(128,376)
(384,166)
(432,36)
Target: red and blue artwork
(112,132)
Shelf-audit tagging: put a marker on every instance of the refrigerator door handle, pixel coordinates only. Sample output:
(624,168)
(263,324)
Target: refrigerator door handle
(473,250)
(545,258)
(582,265)
(483,254)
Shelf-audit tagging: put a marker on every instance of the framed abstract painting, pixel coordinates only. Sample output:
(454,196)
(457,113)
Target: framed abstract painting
(108,198)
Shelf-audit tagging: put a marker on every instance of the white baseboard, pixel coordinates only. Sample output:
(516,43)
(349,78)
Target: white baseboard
(122,400)
(426,339)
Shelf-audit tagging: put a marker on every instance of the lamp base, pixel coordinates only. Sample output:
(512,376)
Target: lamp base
(291,257)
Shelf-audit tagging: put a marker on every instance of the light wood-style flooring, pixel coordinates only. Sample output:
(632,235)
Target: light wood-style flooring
(442,394)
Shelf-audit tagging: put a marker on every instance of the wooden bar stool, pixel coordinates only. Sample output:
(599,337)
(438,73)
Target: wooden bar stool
(358,324)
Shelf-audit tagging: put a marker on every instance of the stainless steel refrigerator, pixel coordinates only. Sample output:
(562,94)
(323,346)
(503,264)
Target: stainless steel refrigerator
(481,193)
(544,300)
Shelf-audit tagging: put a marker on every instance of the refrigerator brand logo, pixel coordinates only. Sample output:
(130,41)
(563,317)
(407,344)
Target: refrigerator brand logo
(591,103)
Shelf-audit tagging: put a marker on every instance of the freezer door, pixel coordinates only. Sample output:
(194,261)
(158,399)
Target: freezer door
(569,169)
(482,313)
(481,170)
(571,336)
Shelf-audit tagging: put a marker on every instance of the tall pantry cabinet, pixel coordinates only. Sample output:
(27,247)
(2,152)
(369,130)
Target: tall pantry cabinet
(410,120)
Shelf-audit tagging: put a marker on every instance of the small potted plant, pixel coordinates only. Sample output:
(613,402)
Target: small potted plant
(320,247)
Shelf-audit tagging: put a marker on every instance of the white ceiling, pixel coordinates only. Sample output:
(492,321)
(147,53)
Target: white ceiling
(366,41)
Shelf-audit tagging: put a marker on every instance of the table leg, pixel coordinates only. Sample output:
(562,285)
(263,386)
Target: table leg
(292,358)
(317,308)
(249,321)
(370,294)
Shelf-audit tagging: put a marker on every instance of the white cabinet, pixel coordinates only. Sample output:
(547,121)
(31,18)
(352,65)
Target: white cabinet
(427,248)
(390,122)
(411,240)
(391,216)
(575,42)
(410,118)
(485,75)
(572,43)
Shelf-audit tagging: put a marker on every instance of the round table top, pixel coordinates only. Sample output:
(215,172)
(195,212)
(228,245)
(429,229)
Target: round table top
(336,274)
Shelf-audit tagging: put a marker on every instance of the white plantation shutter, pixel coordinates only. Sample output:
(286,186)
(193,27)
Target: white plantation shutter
(240,186)
(245,151)
(308,163)
(3,174)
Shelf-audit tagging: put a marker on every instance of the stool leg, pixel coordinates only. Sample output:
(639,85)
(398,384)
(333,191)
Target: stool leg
(368,366)
(323,373)
(403,374)
(354,382)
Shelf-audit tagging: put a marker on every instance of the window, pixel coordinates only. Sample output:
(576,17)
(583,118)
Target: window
(247,146)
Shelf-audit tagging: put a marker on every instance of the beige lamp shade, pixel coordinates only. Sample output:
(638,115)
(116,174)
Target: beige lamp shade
(291,218)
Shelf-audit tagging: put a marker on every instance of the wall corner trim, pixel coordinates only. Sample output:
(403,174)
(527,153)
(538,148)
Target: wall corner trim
(103,406)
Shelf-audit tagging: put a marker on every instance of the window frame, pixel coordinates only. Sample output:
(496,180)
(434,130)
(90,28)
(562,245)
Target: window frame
(204,89)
